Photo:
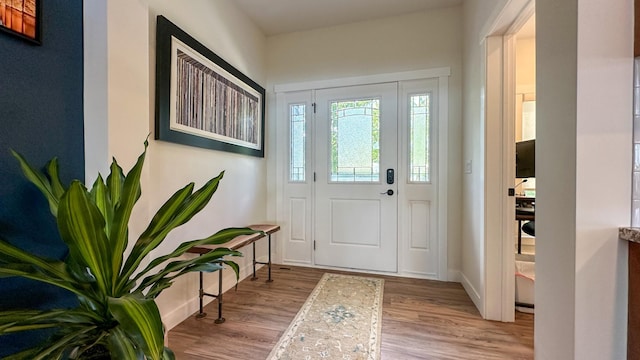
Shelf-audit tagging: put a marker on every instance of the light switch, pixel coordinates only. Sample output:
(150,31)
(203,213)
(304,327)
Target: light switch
(467,167)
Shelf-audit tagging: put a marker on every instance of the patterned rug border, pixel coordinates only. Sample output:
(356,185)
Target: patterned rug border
(376,331)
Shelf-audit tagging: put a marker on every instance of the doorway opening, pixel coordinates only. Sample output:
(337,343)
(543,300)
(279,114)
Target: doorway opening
(500,42)
(525,178)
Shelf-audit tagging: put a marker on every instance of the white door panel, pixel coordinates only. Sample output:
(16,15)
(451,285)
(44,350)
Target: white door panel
(297,205)
(355,230)
(418,235)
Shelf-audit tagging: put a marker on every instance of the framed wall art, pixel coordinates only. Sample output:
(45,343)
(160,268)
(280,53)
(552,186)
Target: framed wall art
(201,100)
(21,18)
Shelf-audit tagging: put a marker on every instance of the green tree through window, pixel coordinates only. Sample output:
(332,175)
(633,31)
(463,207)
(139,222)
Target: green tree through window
(355,140)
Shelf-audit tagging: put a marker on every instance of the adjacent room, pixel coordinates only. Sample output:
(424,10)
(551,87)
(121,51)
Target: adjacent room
(525,182)
(336,179)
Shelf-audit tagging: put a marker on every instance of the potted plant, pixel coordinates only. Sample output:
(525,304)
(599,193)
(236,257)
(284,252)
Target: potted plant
(117,316)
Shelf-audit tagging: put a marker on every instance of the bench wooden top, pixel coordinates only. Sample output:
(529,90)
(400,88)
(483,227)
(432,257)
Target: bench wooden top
(239,241)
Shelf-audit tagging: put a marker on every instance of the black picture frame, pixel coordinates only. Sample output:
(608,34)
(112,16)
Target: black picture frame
(24,22)
(202,100)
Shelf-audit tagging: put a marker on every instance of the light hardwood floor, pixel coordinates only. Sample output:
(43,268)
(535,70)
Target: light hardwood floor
(421,319)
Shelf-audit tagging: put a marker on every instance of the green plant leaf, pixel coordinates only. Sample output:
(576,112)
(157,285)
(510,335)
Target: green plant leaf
(21,270)
(81,227)
(167,281)
(89,294)
(140,319)
(178,266)
(91,304)
(100,196)
(121,346)
(23,355)
(235,268)
(119,233)
(13,254)
(204,267)
(40,181)
(20,320)
(54,177)
(29,272)
(79,272)
(168,354)
(115,181)
(94,225)
(158,287)
(56,348)
(168,211)
(190,207)
(196,202)
(220,237)
(211,266)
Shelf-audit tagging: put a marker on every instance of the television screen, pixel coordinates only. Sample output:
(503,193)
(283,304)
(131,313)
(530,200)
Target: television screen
(526,159)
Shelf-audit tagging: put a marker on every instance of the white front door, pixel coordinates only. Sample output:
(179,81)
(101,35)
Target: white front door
(356,203)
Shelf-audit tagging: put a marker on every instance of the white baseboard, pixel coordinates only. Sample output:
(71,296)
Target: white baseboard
(473,294)
(297,263)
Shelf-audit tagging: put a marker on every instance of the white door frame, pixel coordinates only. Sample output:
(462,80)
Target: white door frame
(442,74)
(499,44)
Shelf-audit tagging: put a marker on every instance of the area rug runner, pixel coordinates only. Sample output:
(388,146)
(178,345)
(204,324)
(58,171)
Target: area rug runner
(341,319)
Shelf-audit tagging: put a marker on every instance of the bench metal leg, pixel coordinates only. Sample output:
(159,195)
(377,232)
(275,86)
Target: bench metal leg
(201,313)
(268,263)
(254,277)
(219,295)
(201,294)
(220,319)
(269,279)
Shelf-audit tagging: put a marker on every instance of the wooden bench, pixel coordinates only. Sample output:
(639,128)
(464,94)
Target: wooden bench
(235,244)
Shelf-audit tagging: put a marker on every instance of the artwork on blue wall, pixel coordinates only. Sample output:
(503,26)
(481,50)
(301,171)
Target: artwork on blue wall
(21,18)
(201,100)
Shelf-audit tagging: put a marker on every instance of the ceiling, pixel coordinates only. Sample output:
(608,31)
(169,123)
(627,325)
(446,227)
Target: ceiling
(284,16)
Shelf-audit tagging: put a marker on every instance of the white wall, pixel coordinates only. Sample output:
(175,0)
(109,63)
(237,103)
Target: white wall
(477,14)
(417,41)
(584,103)
(525,65)
(130,39)
(116,91)
(584,139)
(96,125)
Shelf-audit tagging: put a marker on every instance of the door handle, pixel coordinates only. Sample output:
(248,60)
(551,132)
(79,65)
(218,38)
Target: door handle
(388,192)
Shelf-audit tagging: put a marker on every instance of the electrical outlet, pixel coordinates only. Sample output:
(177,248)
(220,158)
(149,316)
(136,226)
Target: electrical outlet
(468,167)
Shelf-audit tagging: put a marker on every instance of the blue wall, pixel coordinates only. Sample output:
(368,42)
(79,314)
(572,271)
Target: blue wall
(41,116)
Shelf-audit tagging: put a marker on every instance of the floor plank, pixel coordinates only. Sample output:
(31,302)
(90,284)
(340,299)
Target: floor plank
(421,319)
